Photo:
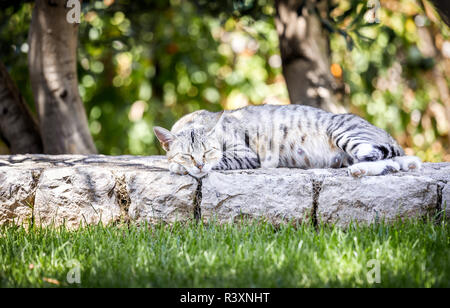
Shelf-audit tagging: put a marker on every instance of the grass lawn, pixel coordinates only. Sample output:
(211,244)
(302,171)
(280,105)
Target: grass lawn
(413,254)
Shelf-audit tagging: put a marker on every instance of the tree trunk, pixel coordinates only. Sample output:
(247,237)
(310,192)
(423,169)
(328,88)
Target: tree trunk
(53,73)
(305,54)
(443,9)
(18,128)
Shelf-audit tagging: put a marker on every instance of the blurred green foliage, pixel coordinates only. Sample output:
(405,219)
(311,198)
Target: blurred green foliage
(398,76)
(146,63)
(146,67)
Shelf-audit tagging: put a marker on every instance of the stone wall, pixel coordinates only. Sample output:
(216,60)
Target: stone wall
(75,189)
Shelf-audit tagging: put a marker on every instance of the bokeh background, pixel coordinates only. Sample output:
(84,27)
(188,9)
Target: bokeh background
(146,63)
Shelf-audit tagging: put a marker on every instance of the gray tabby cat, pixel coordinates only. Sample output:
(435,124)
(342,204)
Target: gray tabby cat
(270,136)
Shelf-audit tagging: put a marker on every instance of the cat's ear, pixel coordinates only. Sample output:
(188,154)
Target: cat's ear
(164,136)
(218,116)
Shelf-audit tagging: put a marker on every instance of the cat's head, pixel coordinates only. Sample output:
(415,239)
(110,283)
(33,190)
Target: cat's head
(197,150)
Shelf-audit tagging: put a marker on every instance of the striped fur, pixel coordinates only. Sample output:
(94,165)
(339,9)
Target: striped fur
(270,136)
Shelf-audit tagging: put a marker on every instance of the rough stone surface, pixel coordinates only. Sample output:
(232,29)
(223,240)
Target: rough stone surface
(366,200)
(77,189)
(437,171)
(278,195)
(17,191)
(446,200)
(158,196)
(74,196)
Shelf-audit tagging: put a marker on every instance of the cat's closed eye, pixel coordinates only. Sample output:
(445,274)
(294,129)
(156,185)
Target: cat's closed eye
(187,157)
(182,158)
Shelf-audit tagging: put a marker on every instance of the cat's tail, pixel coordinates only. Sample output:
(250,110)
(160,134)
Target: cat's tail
(390,150)
(367,151)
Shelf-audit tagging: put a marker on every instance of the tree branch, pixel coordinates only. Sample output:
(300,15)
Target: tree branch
(443,9)
(18,128)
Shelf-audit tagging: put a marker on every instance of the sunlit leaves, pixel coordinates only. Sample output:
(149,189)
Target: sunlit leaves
(173,61)
(153,61)
(392,81)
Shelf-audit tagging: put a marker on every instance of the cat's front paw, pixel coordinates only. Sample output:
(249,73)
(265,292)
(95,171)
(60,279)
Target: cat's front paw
(380,167)
(408,162)
(356,170)
(177,169)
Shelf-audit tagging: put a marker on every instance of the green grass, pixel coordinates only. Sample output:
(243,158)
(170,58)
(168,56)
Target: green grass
(413,254)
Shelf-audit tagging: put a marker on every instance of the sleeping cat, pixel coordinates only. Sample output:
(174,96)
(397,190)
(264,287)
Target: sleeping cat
(270,136)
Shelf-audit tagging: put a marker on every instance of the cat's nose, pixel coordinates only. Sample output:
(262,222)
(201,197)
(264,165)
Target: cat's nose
(199,166)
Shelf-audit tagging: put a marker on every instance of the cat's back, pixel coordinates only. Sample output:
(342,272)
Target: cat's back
(275,110)
(248,115)
(197,119)
(290,115)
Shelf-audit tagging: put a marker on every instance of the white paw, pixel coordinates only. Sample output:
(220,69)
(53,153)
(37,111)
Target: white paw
(177,169)
(357,170)
(408,162)
(380,167)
